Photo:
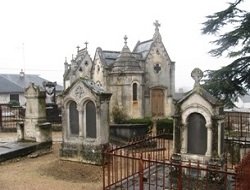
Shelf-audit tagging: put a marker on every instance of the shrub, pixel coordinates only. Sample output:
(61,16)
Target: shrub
(13,103)
(119,115)
(145,120)
(165,124)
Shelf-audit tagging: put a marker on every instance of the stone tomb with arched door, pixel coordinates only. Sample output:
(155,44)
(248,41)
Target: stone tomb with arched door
(85,113)
(198,129)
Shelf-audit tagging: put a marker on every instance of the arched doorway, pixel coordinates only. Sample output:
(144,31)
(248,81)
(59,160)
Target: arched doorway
(90,120)
(73,118)
(197,134)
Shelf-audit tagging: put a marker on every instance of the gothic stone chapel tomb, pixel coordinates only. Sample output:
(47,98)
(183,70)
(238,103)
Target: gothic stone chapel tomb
(85,122)
(141,81)
(198,129)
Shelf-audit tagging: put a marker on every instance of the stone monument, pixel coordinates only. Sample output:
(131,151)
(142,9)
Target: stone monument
(85,114)
(35,127)
(198,126)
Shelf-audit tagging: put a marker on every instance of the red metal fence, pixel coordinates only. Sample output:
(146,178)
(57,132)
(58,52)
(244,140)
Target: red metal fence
(243,174)
(147,163)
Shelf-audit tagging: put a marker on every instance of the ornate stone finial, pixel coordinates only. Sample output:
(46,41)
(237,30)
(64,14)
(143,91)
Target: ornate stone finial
(157,35)
(197,75)
(86,44)
(125,40)
(65,60)
(77,47)
(157,25)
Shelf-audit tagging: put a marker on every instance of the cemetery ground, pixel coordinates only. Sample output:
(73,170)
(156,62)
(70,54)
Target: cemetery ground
(45,170)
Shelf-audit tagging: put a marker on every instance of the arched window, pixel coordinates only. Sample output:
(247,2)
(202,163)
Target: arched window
(135,98)
(73,118)
(90,120)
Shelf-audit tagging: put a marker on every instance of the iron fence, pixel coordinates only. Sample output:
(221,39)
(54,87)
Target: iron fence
(243,173)
(10,116)
(149,163)
(237,124)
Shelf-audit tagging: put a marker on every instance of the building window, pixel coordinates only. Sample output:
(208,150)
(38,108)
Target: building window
(135,92)
(14,98)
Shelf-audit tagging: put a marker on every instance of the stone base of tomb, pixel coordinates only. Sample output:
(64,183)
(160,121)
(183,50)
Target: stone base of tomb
(85,153)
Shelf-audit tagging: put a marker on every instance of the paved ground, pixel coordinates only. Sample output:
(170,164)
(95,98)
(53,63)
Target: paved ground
(47,171)
(10,137)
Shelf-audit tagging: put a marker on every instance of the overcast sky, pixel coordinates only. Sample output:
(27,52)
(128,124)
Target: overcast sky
(37,35)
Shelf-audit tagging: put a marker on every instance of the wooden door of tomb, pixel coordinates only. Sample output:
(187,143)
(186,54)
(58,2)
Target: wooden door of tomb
(157,102)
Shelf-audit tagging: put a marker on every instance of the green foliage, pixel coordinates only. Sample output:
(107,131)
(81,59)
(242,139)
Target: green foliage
(146,120)
(119,115)
(165,124)
(233,80)
(14,103)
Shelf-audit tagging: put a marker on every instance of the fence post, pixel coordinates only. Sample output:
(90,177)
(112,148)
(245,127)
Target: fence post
(141,173)
(180,178)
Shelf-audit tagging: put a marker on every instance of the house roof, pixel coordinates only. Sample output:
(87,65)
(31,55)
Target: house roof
(10,83)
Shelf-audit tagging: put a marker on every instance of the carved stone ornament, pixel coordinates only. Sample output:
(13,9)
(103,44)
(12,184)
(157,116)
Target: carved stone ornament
(157,67)
(79,92)
(197,75)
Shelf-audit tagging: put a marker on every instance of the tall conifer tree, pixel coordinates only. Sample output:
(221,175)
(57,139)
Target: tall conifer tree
(232,29)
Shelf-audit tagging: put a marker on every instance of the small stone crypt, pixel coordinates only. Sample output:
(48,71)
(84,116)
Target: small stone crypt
(85,120)
(198,128)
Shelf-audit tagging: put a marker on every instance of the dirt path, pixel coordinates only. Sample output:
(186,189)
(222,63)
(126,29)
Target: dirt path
(48,172)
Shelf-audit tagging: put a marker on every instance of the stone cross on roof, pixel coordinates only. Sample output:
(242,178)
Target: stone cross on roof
(157,25)
(197,75)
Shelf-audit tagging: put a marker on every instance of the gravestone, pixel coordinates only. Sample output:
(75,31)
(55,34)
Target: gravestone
(198,126)
(35,127)
(85,113)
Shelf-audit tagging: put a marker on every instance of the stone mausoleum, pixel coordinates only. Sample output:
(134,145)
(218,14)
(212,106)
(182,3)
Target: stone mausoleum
(142,81)
(85,113)
(198,129)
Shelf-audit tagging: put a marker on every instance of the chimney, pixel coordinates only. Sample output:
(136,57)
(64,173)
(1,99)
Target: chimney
(21,74)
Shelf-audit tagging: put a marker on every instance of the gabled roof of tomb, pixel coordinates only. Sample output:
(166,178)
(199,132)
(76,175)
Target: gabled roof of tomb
(110,56)
(143,48)
(11,83)
(203,93)
(197,75)
(90,84)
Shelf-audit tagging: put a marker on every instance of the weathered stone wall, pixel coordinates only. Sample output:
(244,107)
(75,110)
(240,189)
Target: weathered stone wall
(121,87)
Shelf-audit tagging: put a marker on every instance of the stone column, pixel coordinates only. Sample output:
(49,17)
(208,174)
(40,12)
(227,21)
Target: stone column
(209,140)
(174,137)
(219,137)
(81,124)
(185,139)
